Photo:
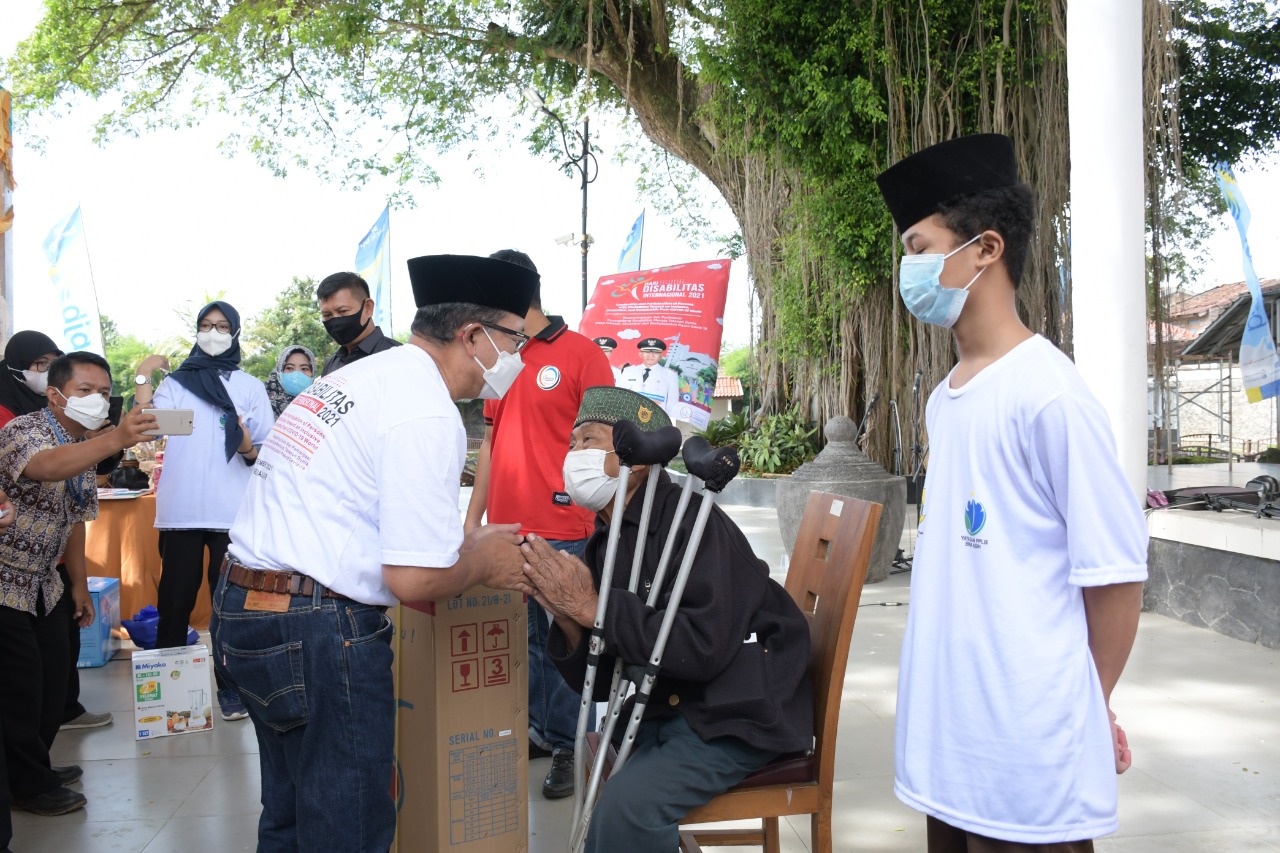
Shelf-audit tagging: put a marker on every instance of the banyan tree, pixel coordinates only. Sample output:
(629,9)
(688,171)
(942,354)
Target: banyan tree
(788,108)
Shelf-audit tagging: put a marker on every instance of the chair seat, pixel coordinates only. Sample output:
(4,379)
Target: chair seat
(790,769)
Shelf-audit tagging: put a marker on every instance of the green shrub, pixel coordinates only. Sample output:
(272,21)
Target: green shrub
(1271,454)
(727,431)
(778,444)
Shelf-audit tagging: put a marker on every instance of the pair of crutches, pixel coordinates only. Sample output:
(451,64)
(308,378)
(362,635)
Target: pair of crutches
(714,467)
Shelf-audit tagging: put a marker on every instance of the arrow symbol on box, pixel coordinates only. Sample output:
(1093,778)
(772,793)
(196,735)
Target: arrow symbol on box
(463,635)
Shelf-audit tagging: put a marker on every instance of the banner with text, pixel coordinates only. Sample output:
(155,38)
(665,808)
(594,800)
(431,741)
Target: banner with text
(373,264)
(666,325)
(1259,364)
(68,257)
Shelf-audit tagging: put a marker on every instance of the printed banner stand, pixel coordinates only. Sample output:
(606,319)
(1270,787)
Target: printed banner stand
(68,257)
(667,324)
(1259,364)
(373,264)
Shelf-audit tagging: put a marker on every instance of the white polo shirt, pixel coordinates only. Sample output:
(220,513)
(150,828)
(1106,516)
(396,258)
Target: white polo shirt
(1001,725)
(661,385)
(362,469)
(200,489)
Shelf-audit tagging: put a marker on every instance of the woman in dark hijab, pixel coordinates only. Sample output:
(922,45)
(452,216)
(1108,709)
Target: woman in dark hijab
(26,362)
(206,472)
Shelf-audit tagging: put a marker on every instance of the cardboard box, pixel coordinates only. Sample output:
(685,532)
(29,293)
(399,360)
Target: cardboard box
(172,694)
(462,725)
(97,645)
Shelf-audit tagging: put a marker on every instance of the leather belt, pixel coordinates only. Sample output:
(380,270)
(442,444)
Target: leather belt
(289,583)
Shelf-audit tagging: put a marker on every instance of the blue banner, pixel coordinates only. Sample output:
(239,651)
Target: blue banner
(373,264)
(629,260)
(1259,364)
(68,258)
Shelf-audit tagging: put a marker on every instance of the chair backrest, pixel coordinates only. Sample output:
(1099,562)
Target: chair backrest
(825,578)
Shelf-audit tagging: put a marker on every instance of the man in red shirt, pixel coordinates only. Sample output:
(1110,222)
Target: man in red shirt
(523,456)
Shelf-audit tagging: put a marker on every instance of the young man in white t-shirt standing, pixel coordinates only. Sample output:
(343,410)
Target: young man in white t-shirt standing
(1028,573)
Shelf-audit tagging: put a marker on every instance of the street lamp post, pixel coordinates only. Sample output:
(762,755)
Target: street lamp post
(587,167)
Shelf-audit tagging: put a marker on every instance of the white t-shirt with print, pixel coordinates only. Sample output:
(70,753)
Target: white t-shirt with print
(361,469)
(200,489)
(1001,725)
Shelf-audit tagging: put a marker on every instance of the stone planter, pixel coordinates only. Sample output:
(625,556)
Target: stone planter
(842,469)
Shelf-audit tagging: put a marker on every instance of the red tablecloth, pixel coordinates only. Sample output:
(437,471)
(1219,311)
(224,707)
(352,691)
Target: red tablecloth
(124,543)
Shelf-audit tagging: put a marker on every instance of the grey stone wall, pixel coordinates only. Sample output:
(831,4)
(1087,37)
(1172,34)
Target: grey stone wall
(1233,594)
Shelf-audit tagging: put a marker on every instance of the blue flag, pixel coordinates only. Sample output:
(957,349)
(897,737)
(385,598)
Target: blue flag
(68,257)
(629,260)
(373,264)
(1259,364)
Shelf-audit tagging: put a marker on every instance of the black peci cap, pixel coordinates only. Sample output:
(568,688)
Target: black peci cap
(437,279)
(915,187)
(652,345)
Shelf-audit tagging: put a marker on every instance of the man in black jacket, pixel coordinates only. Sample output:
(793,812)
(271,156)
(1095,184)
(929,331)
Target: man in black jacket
(734,689)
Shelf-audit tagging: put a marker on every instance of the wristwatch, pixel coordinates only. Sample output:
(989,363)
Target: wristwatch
(141,380)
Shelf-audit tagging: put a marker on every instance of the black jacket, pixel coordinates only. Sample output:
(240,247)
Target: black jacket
(737,661)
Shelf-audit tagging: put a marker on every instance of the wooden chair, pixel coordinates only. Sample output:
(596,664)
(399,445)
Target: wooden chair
(828,569)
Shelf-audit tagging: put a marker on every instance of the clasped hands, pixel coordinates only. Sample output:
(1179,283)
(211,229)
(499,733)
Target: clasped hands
(561,583)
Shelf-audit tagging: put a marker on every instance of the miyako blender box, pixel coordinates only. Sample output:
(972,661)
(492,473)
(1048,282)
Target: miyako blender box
(171,692)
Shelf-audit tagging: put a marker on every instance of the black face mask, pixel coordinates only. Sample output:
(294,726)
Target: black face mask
(346,329)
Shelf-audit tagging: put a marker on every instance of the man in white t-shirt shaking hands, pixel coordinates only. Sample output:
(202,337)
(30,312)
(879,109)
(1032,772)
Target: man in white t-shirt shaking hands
(354,505)
(1027,580)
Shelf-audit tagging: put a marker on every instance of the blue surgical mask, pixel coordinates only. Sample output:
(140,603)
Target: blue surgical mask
(294,382)
(920,283)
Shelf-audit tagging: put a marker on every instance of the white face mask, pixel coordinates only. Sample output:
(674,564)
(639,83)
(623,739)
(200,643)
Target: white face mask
(214,343)
(585,480)
(499,378)
(36,380)
(90,412)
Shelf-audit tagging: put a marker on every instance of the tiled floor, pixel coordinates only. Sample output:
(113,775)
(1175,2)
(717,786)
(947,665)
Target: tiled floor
(1202,712)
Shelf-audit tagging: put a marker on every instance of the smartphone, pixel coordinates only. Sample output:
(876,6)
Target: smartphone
(115,410)
(171,421)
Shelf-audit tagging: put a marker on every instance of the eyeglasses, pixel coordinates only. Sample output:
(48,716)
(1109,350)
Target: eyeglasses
(225,328)
(520,337)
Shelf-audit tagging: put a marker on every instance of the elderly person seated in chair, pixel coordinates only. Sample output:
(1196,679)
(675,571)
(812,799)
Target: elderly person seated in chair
(734,690)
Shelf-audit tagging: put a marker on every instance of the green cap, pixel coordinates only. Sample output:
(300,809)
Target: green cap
(607,405)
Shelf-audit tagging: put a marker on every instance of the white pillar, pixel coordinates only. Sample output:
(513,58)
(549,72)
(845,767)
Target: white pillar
(1108,252)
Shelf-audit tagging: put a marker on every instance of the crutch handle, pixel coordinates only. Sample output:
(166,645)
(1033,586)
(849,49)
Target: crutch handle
(635,447)
(715,466)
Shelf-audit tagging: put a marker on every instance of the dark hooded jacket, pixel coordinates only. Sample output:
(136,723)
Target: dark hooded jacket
(737,660)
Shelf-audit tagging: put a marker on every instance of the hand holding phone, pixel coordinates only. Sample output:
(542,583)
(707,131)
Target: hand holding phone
(136,427)
(171,421)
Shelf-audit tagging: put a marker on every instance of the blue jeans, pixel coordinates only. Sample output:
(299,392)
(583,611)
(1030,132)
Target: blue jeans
(553,704)
(671,770)
(316,680)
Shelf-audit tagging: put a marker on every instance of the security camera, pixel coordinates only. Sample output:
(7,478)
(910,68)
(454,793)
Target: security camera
(567,240)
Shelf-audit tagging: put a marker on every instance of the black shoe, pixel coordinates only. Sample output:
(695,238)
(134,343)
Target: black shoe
(68,775)
(559,782)
(535,751)
(55,802)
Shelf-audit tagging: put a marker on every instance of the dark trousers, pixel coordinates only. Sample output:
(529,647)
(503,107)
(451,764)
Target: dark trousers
(945,838)
(72,707)
(6,820)
(671,770)
(33,686)
(181,573)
